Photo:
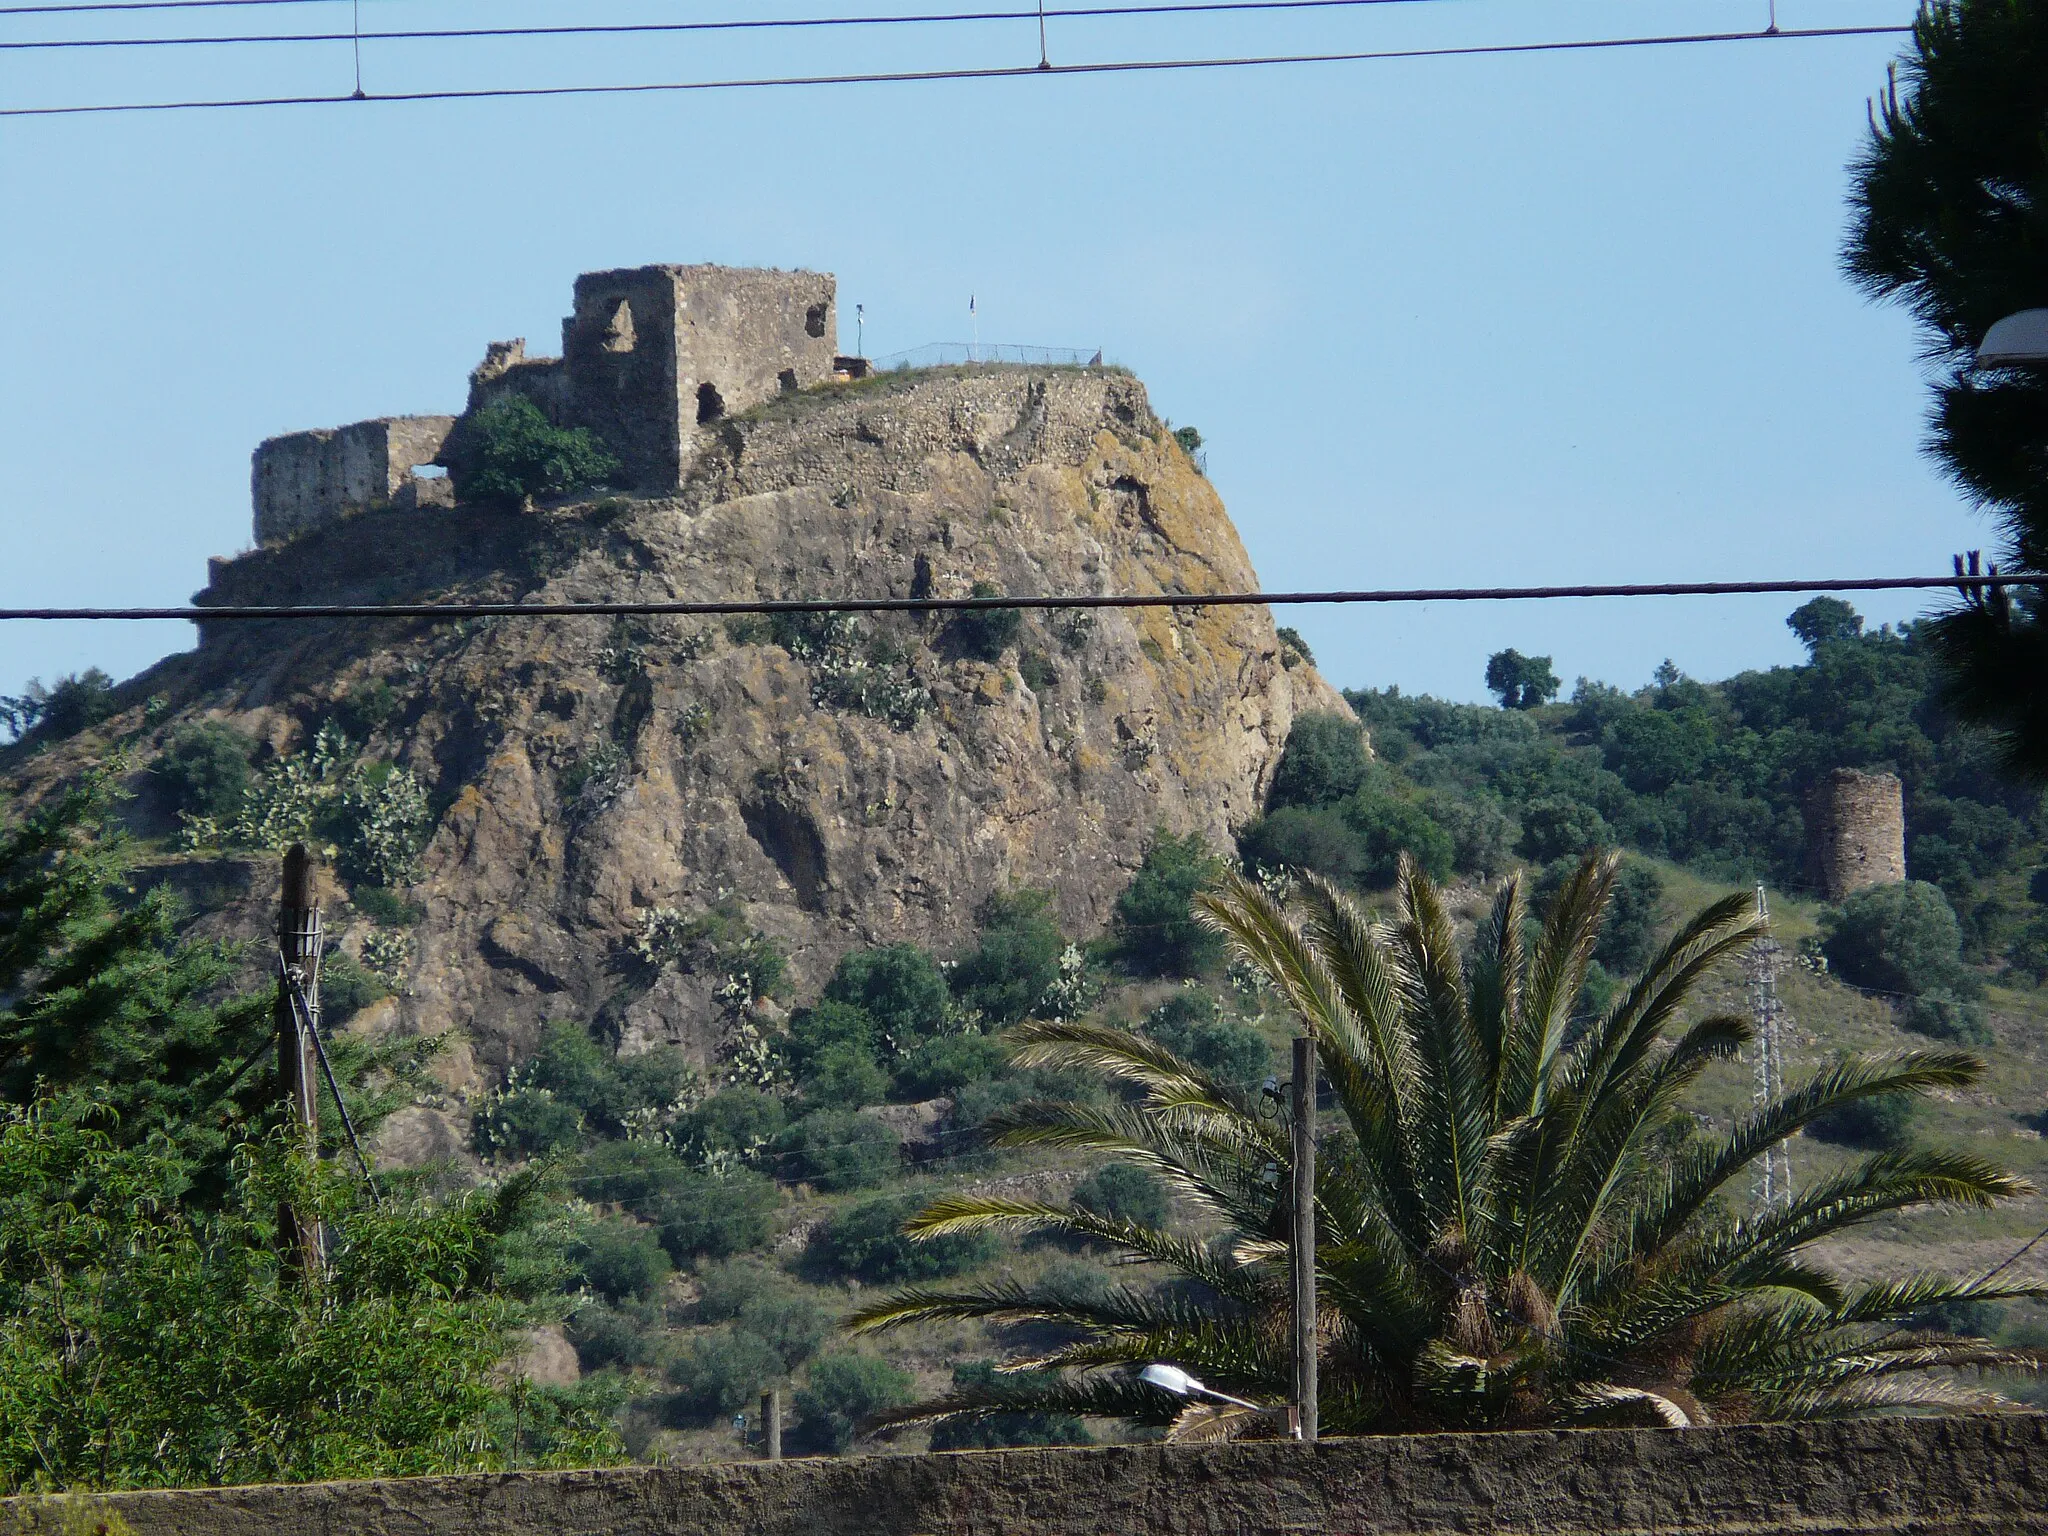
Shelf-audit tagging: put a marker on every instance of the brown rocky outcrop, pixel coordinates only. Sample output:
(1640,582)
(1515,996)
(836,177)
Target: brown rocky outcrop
(845,784)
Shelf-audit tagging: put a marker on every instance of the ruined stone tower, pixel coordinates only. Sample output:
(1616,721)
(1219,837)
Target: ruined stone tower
(1856,832)
(651,357)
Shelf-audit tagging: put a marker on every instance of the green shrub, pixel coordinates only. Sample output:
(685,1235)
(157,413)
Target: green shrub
(899,987)
(1125,1192)
(604,1336)
(2028,952)
(77,702)
(845,1077)
(1037,670)
(733,1122)
(997,1430)
(1942,1017)
(1884,1123)
(1318,840)
(948,1064)
(383,905)
(1388,826)
(346,989)
(985,633)
(1520,682)
(1015,960)
(366,708)
(842,1390)
(1192,1027)
(764,1303)
(1558,827)
(704,1216)
(867,1241)
(1293,649)
(605,1089)
(1898,938)
(380,822)
(831,1024)
(639,1176)
(524,1122)
(619,1259)
(838,1150)
(1324,761)
(1156,931)
(721,1371)
(1628,937)
(508,451)
(204,770)
(1482,834)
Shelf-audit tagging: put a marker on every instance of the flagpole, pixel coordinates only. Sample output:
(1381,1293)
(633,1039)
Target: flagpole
(974,316)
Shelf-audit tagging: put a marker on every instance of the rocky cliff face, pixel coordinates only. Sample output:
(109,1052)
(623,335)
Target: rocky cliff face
(836,783)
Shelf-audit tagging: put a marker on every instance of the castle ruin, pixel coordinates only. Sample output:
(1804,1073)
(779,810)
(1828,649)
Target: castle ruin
(651,356)
(1856,832)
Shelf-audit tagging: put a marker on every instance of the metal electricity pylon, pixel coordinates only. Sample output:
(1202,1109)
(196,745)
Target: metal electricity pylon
(1771,1017)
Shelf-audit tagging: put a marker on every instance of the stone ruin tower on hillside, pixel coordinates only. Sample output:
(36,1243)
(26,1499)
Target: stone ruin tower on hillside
(1856,832)
(651,357)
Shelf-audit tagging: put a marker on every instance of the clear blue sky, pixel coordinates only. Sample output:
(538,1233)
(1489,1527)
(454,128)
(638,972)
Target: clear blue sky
(1496,320)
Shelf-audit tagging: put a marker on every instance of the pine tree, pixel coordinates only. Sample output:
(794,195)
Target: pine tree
(1950,218)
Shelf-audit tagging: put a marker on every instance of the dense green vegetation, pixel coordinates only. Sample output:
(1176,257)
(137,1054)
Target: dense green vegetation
(149,1333)
(1710,775)
(508,452)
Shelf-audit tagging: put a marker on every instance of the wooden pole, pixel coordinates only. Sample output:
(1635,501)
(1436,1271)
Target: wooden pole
(1303,1096)
(298,943)
(771,1424)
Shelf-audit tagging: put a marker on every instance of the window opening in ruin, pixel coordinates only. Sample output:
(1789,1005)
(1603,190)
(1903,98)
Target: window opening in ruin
(814,320)
(618,335)
(430,471)
(710,403)
(787,379)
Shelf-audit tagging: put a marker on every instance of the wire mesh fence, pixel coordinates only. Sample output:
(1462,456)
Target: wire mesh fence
(954,354)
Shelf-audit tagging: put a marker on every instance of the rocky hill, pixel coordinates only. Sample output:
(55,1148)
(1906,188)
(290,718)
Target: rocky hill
(586,788)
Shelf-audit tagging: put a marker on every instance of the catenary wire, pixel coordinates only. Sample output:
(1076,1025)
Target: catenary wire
(929,76)
(745,24)
(734,607)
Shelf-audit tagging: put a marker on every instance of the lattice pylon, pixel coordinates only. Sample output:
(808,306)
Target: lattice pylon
(1770,1018)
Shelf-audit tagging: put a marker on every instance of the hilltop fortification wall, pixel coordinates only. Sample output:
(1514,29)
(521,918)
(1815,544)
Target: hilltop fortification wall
(1856,832)
(1933,1477)
(651,356)
(304,479)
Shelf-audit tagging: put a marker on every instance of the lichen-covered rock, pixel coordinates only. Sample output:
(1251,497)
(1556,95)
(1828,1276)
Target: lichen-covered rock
(826,783)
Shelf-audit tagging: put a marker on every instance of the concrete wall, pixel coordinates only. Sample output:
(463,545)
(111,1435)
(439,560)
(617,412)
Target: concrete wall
(1930,1477)
(305,479)
(1856,832)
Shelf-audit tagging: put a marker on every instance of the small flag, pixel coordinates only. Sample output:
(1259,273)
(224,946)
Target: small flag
(970,303)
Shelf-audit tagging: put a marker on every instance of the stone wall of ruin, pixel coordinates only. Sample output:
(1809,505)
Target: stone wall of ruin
(1931,1477)
(304,479)
(1856,832)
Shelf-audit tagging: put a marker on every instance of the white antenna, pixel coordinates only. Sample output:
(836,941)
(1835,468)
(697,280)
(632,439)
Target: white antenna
(1774,1173)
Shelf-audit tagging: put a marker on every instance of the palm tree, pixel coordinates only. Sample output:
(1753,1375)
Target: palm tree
(1515,1229)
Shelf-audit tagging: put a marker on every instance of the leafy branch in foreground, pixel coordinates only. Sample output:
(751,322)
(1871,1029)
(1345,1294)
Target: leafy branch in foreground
(1514,1230)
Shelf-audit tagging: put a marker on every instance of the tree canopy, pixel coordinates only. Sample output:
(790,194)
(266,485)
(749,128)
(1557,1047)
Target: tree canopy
(1946,220)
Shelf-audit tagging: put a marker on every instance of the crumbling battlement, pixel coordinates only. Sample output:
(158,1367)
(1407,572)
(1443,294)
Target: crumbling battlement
(650,357)
(1856,832)
(304,479)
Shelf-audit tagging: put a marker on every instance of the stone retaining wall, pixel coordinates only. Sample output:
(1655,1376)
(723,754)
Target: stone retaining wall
(1929,1477)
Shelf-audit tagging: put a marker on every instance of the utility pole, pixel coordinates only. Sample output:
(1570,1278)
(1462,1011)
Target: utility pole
(1303,1251)
(1769,1016)
(771,1424)
(298,950)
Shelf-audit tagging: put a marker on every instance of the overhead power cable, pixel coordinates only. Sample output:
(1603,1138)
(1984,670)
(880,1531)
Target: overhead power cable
(928,76)
(733,607)
(746,24)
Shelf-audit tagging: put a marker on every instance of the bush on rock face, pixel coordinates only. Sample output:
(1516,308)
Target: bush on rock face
(205,770)
(509,452)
